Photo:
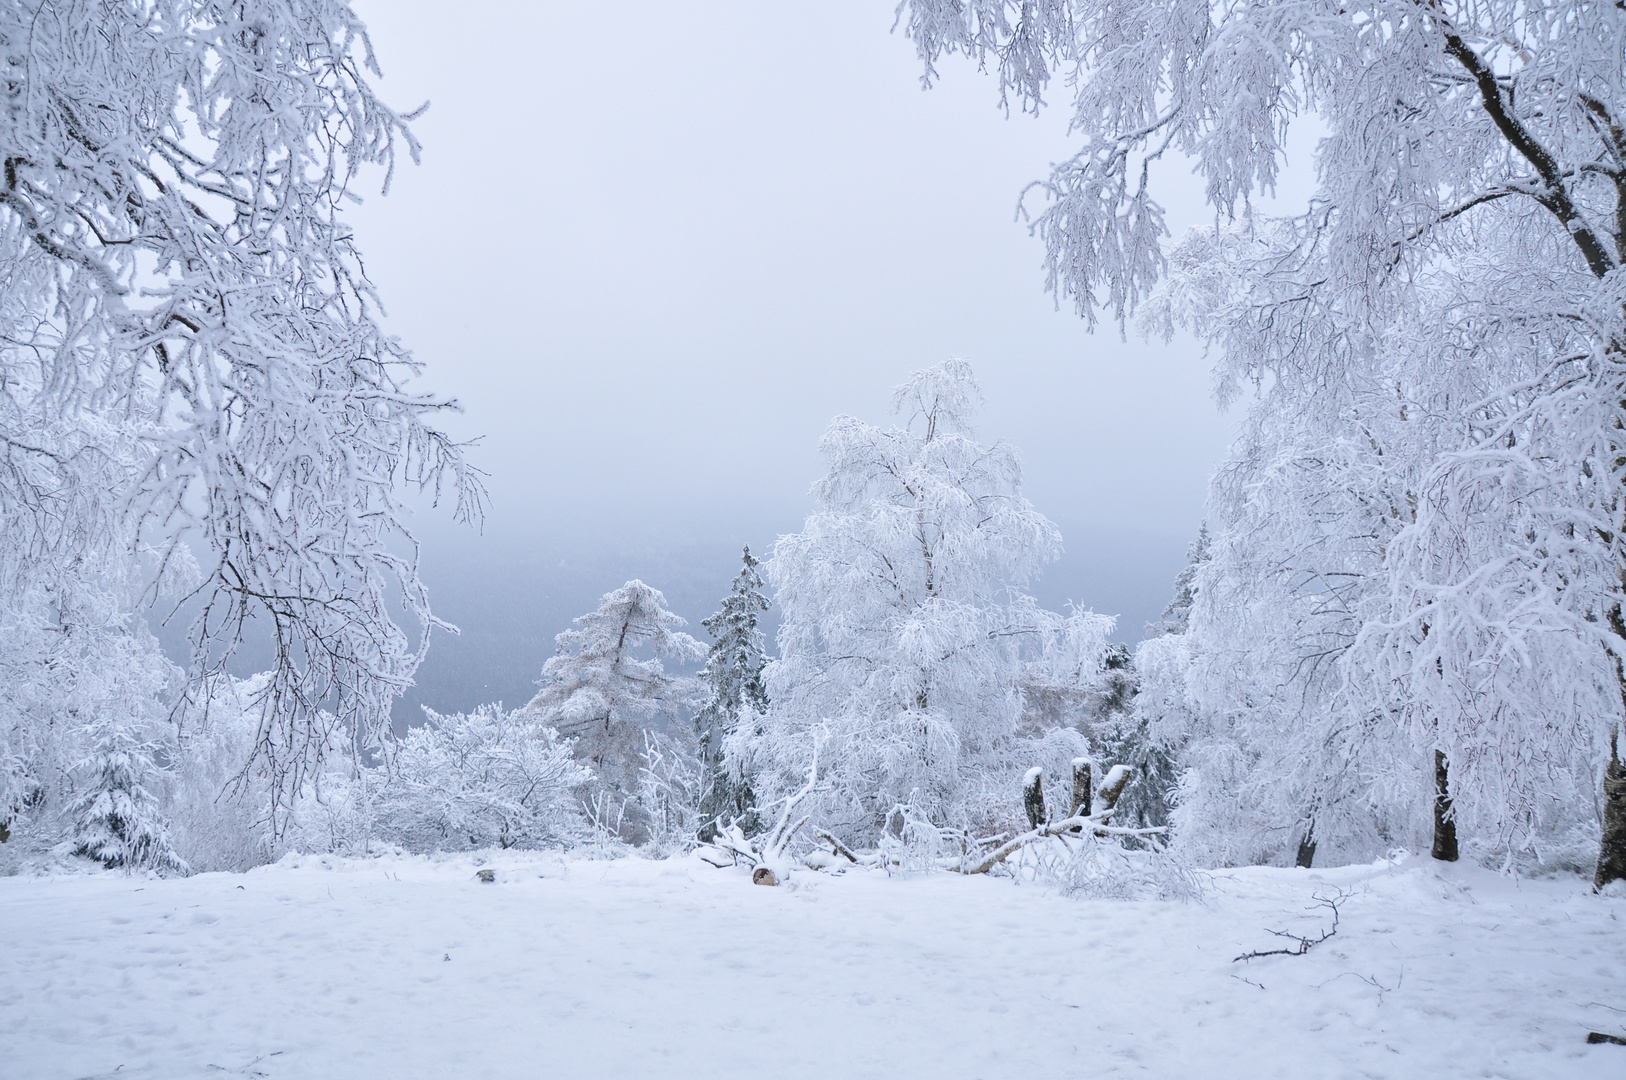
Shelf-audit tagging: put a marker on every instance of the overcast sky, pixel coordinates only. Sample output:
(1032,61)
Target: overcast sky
(654,248)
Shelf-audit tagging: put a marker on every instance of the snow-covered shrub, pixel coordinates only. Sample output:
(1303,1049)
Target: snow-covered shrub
(225,816)
(672,785)
(1104,870)
(912,843)
(489,778)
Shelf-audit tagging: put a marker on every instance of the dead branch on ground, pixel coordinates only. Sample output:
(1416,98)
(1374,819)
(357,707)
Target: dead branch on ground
(1303,944)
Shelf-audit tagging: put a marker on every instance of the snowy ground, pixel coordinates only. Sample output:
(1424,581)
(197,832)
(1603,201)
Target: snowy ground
(409,967)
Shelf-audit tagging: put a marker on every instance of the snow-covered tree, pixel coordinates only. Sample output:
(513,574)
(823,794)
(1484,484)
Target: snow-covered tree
(599,691)
(118,820)
(905,637)
(75,662)
(189,347)
(1121,734)
(1295,737)
(1466,228)
(732,679)
(481,779)
(1177,613)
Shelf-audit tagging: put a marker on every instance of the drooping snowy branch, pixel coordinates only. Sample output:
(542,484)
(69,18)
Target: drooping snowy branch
(191,351)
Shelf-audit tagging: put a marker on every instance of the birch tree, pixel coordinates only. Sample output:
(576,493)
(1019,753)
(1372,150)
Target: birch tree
(191,351)
(905,635)
(1470,185)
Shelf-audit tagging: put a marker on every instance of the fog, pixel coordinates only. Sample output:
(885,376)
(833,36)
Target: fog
(653,249)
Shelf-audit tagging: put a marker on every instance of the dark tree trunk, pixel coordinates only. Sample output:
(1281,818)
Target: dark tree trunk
(1081,787)
(1612,848)
(1445,822)
(1307,846)
(1033,798)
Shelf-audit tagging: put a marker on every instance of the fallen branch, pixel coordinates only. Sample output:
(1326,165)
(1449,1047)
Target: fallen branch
(1095,823)
(836,846)
(1033,804)
(1303,944)
(732,843)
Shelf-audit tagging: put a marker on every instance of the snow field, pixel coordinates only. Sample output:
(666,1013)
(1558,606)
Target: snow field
(409,967)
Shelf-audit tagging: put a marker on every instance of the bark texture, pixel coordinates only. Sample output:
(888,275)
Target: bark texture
(1033,798)
(1445,823)
(1306,854)
(1081,788)
(1612,848)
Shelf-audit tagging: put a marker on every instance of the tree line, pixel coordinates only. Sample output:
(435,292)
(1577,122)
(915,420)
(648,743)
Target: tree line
(1403,626)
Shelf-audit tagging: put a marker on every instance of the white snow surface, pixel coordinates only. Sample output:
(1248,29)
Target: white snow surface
(404,966)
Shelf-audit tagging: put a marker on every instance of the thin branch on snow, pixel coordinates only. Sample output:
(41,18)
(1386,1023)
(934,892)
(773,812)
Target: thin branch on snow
(1303,944)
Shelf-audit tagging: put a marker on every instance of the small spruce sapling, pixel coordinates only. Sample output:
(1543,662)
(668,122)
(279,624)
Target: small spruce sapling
(118,820)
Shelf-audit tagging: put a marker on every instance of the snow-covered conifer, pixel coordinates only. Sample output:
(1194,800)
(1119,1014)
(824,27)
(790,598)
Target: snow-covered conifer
(118,820)
(1121,734)
(733,682)
(599,691)
(1177,614)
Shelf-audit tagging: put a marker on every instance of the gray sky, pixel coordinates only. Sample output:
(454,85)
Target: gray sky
(653,248)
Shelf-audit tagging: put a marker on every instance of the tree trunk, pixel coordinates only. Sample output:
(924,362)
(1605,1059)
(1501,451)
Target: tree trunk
(1081,787)
(1445,823)
(1033,797)
(1612,847)
(1307,846)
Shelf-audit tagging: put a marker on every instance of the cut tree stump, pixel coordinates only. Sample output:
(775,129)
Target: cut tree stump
(1113,786)
(1033,797)
(1081,788)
